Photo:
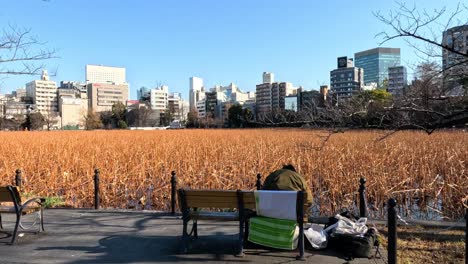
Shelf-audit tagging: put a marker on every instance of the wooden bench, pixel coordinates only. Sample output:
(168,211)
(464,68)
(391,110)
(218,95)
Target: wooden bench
(10,194)
(191,201)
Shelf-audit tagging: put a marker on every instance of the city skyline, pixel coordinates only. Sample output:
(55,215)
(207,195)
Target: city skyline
(301,49)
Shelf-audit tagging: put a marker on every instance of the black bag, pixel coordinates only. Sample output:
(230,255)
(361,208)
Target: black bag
(356,246)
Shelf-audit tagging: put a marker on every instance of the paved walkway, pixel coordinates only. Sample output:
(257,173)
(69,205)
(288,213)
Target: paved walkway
(87,236)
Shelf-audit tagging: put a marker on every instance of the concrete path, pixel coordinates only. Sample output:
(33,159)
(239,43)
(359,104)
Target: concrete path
(88,236)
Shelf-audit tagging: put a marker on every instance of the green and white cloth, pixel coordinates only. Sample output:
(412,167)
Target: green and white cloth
(276,223)
(272,232)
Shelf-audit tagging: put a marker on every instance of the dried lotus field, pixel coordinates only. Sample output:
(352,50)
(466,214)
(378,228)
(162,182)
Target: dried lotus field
(427,174)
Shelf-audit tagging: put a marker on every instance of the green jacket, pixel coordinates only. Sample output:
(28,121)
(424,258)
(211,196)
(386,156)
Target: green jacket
(288,180)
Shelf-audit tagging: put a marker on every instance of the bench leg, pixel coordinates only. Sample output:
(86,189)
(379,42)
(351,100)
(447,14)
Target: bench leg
(42,221)
(246,232)
(301,243)
(241,238)
(1,225)
(185,237)
(18,218)
(195,225)
(195,229)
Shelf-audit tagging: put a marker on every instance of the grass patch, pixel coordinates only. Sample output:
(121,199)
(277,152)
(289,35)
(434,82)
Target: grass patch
(427,245)
(53,201)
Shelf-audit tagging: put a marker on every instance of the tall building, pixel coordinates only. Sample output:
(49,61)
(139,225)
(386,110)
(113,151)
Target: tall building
(211,101)
(376,62)
(268,77)
(346,80)
(196,91)
(174,104)
(271,96)
(105,74)
(456,38)
(158,98)
(397,80)
(43,94)
(106,86)
(201,108)
(103,95)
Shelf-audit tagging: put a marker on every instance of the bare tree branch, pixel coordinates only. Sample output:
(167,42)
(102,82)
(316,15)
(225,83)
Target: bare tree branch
(20,52)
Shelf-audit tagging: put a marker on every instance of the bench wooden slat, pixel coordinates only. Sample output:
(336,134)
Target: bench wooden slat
(218,199)
(11,209)
(210,203)
(5,195)
(225,216)
(208,193)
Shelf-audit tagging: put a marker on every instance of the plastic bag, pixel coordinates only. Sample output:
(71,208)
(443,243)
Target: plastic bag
(316,236)
(346,226)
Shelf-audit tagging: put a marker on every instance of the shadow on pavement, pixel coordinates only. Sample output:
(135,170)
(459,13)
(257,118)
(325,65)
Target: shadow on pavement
(126,248)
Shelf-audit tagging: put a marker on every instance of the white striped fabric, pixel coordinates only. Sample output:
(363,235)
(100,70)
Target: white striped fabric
(272,232)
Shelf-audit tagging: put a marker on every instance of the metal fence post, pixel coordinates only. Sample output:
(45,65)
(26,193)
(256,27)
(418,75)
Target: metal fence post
(96,189)
(258,184)
(173,191)
(392,232)
(18,178)
(362,198)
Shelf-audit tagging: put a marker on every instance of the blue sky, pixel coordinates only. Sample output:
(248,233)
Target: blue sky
(220,41)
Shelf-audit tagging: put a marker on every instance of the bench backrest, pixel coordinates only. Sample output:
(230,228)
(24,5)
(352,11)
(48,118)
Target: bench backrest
(10,194)
(216,199)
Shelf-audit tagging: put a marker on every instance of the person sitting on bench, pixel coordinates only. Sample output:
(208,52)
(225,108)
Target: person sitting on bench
(287,179)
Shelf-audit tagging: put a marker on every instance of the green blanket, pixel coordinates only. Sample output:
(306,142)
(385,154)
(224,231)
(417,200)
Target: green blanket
(272,232)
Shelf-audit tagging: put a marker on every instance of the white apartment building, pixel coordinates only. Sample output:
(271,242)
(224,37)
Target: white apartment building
(231,93)
(196,91)
(241,97)
(185,109)
(201,108)
(105,74)
(43,94)
(159,98)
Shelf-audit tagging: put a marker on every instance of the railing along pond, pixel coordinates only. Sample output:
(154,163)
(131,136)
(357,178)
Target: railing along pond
(392,215)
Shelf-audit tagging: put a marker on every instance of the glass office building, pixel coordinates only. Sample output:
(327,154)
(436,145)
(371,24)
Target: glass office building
(376,62)
(455,70)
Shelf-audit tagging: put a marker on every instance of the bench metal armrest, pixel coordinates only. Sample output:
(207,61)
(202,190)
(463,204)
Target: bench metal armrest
(39,200)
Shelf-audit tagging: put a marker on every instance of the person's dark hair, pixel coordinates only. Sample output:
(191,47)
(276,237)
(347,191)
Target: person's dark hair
(289,167)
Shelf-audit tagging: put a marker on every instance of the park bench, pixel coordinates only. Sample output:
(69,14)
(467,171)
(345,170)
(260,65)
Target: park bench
(193,201)
(10,194)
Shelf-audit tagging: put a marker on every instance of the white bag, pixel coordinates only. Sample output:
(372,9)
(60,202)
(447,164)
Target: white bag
(346,226)
(316,236)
